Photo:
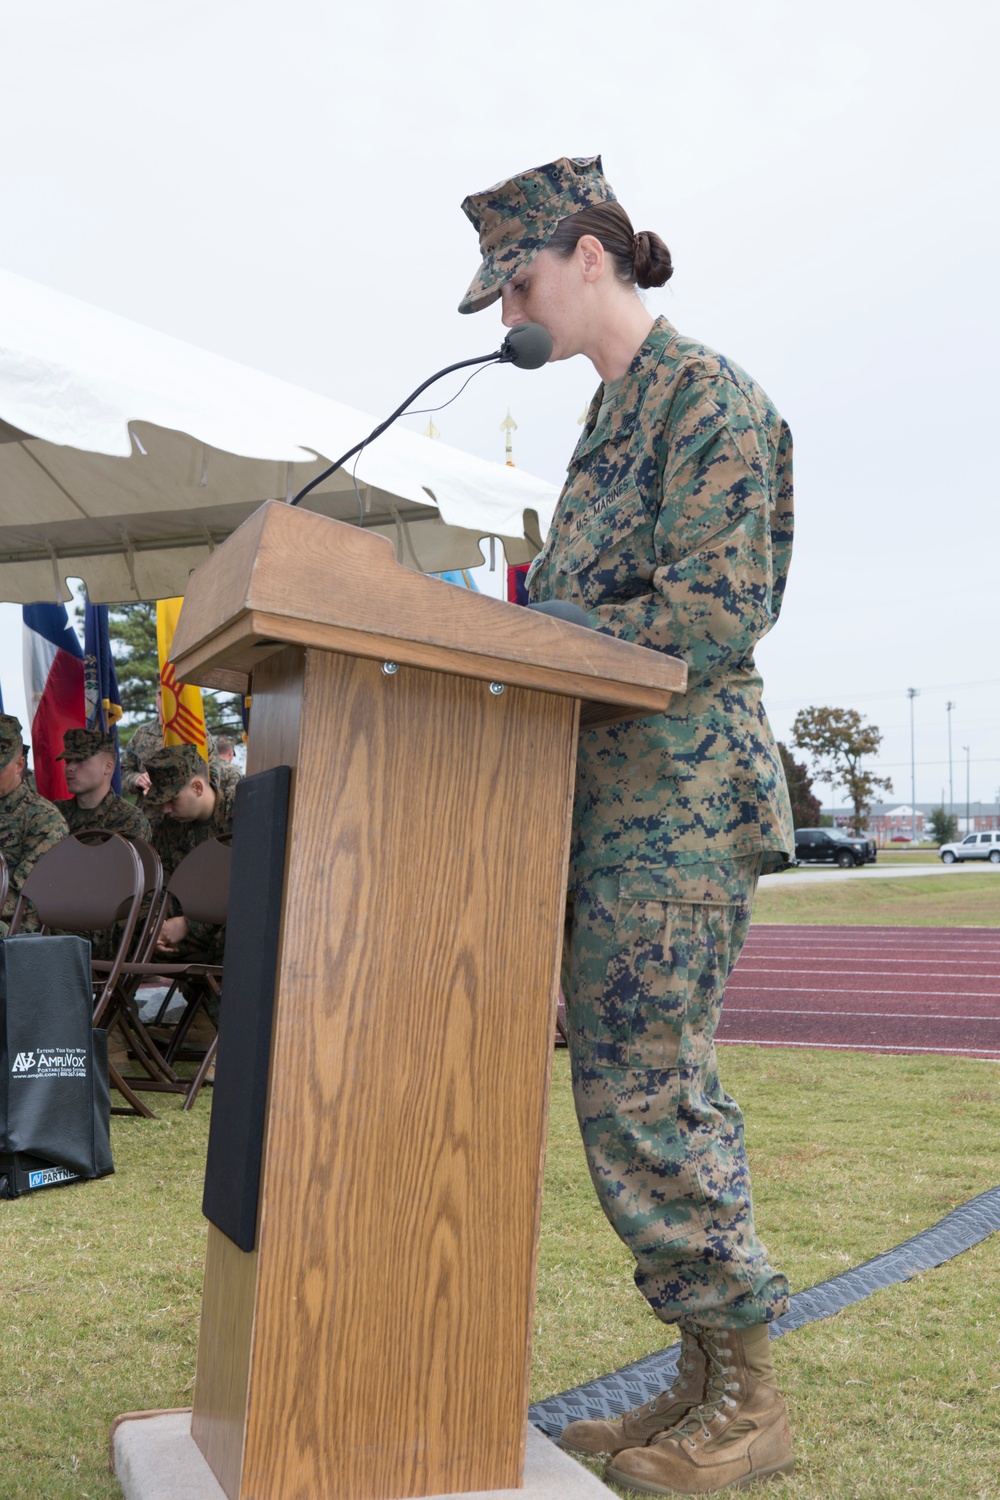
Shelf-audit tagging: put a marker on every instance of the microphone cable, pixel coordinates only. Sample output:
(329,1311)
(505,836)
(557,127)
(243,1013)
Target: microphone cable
(528,345)
(422,411)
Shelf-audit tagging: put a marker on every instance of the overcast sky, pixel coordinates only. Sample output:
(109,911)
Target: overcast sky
(281,184)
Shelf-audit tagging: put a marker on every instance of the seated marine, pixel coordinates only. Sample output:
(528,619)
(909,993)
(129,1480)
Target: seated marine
(29,824)
(90,758)
(196,804)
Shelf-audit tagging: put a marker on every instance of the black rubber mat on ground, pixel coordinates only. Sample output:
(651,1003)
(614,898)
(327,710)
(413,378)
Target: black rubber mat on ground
(612,1394)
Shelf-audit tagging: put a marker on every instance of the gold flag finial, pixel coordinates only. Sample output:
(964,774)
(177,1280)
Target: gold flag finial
(431,431)
(508,425)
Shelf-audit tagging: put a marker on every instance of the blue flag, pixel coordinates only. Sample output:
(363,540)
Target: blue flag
(103,702)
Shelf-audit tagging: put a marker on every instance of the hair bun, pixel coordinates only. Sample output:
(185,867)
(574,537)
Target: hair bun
(651,260)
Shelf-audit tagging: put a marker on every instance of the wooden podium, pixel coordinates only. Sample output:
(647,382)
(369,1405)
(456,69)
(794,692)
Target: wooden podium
(375,1342)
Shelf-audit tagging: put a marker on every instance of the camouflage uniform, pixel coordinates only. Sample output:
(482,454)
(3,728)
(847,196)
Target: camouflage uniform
(170,770)
(674,531)
(113,813)
(230,776)
(147,738)
(29,825)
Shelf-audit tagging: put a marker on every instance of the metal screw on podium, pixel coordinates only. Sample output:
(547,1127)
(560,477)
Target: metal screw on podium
(390,668)
(496,688)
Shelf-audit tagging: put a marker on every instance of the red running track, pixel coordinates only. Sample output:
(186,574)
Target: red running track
(870,989)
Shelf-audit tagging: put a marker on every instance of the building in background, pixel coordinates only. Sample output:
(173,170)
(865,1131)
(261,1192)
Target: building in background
(888,821)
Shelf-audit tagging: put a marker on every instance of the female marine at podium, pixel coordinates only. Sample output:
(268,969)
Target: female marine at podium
(673,531)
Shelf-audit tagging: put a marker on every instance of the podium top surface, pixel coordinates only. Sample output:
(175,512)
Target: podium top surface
(291,577)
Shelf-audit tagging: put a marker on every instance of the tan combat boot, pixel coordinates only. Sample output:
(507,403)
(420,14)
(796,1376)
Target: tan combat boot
(737,1435)
(640,1426)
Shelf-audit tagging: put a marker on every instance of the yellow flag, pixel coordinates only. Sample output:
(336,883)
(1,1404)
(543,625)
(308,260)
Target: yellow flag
(183,715)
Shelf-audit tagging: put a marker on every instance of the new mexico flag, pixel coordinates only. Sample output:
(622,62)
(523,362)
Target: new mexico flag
(183,715)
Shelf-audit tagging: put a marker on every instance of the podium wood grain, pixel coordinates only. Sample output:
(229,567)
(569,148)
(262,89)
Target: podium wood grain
(376,1342)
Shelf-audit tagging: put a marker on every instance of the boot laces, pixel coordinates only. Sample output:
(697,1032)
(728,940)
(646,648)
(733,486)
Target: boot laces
(685,1367)
(717,1397)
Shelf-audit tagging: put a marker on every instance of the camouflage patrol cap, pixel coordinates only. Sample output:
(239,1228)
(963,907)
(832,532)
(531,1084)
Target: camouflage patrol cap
(517,218)
(81,744)
(170,770)
(11,739)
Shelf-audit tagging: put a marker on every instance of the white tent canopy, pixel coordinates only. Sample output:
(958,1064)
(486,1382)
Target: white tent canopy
(126,456)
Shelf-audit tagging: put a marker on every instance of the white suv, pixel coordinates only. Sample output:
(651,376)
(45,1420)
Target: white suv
(973,846)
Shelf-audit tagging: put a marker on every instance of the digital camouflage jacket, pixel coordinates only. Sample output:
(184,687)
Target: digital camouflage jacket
(674,531)
(147,738)
(113,813)
(29,825)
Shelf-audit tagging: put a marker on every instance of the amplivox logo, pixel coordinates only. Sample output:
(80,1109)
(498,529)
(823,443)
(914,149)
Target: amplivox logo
(53,1062)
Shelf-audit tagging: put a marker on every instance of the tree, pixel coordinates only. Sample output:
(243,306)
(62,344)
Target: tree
(840,738)
(137,667)
(943,826)
(806,810)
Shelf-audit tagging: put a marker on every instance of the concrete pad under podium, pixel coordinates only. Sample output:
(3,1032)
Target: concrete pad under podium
(155,1458)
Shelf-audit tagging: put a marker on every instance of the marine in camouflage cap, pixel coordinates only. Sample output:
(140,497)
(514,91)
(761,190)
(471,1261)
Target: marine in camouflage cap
(11,739)
(90,756)
(81,744)
(517,218)
(171,769)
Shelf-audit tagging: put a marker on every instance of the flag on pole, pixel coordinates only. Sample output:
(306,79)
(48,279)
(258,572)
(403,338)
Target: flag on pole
(102,699)
(516,575)
(183,715)
(53,688)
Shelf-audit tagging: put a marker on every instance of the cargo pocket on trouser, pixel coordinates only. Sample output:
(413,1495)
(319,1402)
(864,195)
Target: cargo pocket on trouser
(664,1143)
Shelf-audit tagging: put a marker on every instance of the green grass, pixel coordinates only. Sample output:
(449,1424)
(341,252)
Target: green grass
(851,1153)
(964,900)
(925,854)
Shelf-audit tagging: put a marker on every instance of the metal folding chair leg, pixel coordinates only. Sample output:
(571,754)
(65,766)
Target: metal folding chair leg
(199,1078)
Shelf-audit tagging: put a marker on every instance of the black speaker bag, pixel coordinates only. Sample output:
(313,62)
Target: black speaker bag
(54,1099)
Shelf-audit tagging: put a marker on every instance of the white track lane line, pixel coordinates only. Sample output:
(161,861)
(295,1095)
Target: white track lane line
(808,989)
(874,1015)
(983,1054)
(757,968)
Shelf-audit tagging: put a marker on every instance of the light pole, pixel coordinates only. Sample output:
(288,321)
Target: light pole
(913,693)
(951,788)
(968,815)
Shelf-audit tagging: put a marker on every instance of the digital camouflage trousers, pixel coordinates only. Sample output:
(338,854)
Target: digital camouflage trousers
(648,956)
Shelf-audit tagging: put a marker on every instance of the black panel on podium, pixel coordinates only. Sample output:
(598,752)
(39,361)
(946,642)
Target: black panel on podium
(236,1133)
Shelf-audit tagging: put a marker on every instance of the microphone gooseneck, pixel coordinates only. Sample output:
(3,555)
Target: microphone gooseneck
(528,346)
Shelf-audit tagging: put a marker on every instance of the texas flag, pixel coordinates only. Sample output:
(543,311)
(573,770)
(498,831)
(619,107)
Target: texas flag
(53,687)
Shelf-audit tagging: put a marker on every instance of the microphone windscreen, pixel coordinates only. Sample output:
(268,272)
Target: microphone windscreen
(528,346)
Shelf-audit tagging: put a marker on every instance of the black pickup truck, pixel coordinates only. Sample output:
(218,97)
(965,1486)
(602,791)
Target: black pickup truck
(829,845)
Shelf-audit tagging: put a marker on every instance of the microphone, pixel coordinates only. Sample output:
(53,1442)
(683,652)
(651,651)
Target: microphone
(528,346)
